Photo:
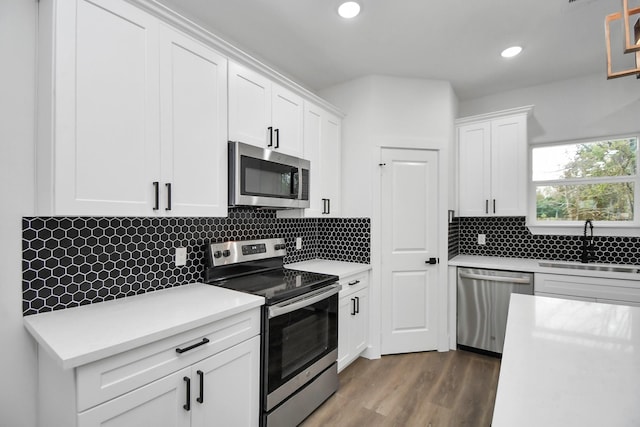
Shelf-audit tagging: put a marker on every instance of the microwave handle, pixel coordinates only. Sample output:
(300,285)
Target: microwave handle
(300,183)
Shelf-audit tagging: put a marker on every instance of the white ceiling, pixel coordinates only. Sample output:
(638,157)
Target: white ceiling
(455,40)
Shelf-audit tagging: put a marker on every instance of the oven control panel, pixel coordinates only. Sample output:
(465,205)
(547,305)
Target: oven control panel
(260,248)
(245,250)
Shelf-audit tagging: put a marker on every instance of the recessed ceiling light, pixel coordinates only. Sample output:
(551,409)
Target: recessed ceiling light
(349,9)
(510,52)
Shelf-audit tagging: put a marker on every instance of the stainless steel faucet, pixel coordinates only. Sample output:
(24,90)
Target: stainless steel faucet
(587,244)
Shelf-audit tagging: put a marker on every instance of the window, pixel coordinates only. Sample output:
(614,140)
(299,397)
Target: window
(597,180)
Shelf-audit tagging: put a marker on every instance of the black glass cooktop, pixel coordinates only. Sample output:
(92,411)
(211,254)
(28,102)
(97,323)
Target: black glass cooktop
(276,285)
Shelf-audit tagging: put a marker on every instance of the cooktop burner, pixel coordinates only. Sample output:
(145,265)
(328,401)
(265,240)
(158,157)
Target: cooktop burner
(256,267)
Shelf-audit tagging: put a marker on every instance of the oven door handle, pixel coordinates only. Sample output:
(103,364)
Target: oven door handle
(303,301)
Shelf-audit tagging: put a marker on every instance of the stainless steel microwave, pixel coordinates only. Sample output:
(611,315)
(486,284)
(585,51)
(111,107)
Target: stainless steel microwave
(266,178)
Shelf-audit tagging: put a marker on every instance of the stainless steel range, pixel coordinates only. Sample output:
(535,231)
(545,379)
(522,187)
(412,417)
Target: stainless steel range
(299,325)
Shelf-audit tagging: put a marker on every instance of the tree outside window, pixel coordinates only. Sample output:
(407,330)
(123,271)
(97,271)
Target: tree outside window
(594,180)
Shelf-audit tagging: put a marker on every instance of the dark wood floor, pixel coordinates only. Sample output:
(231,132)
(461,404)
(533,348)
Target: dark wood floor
(431,389)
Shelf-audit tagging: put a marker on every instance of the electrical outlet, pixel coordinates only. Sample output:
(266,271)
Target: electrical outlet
(482,239)
(181,257)
(298,243)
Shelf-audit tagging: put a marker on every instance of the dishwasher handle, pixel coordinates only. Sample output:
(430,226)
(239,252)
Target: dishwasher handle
(519,280)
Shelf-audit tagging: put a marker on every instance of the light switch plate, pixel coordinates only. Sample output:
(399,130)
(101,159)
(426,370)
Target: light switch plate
(298,243)
(482,239)
(181,257)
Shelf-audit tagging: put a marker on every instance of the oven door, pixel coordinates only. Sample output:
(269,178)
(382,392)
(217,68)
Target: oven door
(300,342)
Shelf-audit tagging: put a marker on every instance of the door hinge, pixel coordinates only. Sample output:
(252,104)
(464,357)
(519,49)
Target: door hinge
(433,261)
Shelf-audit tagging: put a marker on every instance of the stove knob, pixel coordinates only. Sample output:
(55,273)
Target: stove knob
(217,254)
(226,252)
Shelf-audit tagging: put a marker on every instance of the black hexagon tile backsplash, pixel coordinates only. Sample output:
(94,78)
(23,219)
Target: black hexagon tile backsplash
(510,237)
(76,261)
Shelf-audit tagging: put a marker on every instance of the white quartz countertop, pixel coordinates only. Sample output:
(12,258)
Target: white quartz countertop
(84,334)
(569,363)
(341,269)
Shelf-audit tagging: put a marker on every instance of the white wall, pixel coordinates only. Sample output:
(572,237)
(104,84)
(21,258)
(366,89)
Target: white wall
(579,108)
(391,112)
(18,367)
(387,111)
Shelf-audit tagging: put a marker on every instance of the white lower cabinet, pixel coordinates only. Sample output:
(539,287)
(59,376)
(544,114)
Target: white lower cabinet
(353,318)
(586,288)
(209,375)
(215,389)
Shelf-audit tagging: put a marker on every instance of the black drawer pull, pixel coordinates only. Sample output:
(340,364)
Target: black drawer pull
(201,375)
(191,347)
(187,406)
(355,282)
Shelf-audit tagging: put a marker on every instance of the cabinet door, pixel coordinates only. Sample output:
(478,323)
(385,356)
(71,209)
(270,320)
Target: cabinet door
(193,99)
(474,169)
(226,387)
(105,115)
(509,166)
(313,123)
(330,164)
(359,325)
(249,106)
(159,404)
(287,116)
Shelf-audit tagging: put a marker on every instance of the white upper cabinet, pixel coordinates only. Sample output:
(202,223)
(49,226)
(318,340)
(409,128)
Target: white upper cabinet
(492,164)
(125,108)
(322,144)
(193,81)
(262,113)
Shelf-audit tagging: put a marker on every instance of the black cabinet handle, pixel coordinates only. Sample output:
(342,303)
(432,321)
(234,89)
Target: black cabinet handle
(187,406)
(357,305)
(277,138)
(270,144)
(486,206)
(191,347)
(200,399)
(326,206)
(494,205)
(156,188)
(353,306)
(355,282)
(168,185)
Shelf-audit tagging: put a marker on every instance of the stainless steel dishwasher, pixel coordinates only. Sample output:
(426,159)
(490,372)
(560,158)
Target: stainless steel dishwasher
(483,303)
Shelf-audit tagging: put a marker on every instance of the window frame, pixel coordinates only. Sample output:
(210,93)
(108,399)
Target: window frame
(602,228)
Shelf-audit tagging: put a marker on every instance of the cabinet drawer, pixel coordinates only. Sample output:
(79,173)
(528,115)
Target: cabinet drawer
(105,379)
(354,283)
(588,287)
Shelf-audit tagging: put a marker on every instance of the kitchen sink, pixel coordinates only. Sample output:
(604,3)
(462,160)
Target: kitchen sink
(592,267)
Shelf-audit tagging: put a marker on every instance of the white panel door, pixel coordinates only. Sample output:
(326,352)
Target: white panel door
(159,404)
(409,239)
(509,166)
(249,106)
(106,133)
(193,99)
(474,148)
(230,390)
(287,112)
